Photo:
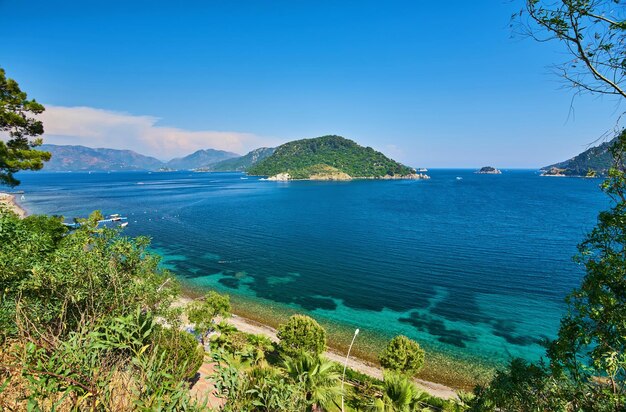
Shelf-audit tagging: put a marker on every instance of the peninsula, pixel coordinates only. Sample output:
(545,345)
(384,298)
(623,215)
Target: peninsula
(330,158)
(593,162)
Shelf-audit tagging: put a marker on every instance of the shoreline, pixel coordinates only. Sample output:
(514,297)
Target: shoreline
(244,324)
(440,368)
(284,177)
(8,200)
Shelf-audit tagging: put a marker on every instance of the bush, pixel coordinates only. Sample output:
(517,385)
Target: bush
(403,355)
(202,312)
(183,354)
(301,334)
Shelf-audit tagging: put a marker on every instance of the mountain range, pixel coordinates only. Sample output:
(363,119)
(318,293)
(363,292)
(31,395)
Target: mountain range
(81,158)
(323,158)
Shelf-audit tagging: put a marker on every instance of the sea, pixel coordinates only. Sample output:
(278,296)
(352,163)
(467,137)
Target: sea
(472,266)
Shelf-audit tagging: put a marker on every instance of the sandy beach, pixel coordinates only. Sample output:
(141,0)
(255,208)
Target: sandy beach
(367,368)
(8,200)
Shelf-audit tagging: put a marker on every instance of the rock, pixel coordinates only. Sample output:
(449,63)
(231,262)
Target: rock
(553,171)
(281,177)
(488,170)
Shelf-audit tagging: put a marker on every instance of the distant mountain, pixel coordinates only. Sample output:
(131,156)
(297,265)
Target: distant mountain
(81,158)
(329,158)
(594,161)
(200,159)
(242,163)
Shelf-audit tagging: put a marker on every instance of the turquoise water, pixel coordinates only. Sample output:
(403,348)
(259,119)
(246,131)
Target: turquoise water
(475,267)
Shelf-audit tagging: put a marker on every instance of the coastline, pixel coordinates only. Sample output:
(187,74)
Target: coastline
(434,382)
(8,201)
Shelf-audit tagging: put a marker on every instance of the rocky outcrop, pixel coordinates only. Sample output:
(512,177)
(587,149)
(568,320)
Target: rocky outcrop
(281,177)
(553,171)
(488,170)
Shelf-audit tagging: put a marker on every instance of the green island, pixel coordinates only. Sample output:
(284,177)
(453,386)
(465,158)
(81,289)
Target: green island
(329,158)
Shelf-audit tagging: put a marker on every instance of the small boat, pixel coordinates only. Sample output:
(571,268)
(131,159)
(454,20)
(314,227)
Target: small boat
(422,169)
(112,221)
(459,178)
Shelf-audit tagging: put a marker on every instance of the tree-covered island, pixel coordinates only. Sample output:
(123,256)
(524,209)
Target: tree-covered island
(330,158)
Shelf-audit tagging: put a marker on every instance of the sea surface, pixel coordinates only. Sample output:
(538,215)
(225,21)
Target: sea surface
(470,265)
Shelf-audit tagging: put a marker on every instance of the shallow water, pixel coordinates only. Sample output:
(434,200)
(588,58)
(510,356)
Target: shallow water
(475,267)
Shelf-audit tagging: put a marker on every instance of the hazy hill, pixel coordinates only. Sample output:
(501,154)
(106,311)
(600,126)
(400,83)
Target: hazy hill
(328,157)
(598,159)
(242,163)
(200,159)
(77,158)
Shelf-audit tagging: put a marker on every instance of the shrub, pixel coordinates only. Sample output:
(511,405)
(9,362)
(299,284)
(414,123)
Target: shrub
(403,355)
(183,355)
(301,334)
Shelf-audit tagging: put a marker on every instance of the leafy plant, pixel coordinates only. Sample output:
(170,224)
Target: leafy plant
(402,355)
(300,334)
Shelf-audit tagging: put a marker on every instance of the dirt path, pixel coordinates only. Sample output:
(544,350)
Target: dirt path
(204,390)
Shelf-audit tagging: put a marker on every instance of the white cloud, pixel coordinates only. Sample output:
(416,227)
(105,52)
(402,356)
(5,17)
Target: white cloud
(93,127)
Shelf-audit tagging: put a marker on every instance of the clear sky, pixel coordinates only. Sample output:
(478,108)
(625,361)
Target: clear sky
(434,84)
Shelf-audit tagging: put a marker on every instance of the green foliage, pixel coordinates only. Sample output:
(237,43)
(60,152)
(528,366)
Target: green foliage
(77,314)
(201,313)
(111,366)
(259,347)
(300,159)
(300,334)
(58,281)
(399,394)
(16,118)
(522,387)
(183,356)
(256,389)
(587,361)
(403,355)
(319,377)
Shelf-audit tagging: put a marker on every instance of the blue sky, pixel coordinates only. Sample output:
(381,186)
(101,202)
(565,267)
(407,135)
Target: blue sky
(435,84)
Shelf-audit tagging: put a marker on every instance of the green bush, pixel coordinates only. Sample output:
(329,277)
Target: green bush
(301,334)
(183,354)
(403,355)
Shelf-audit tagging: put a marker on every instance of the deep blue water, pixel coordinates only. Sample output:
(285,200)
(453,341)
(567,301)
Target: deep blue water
(474,267)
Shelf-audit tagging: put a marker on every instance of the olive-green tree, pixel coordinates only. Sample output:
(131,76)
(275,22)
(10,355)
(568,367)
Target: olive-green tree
(202,312)
(19,129)
(403,355)
(300,334)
